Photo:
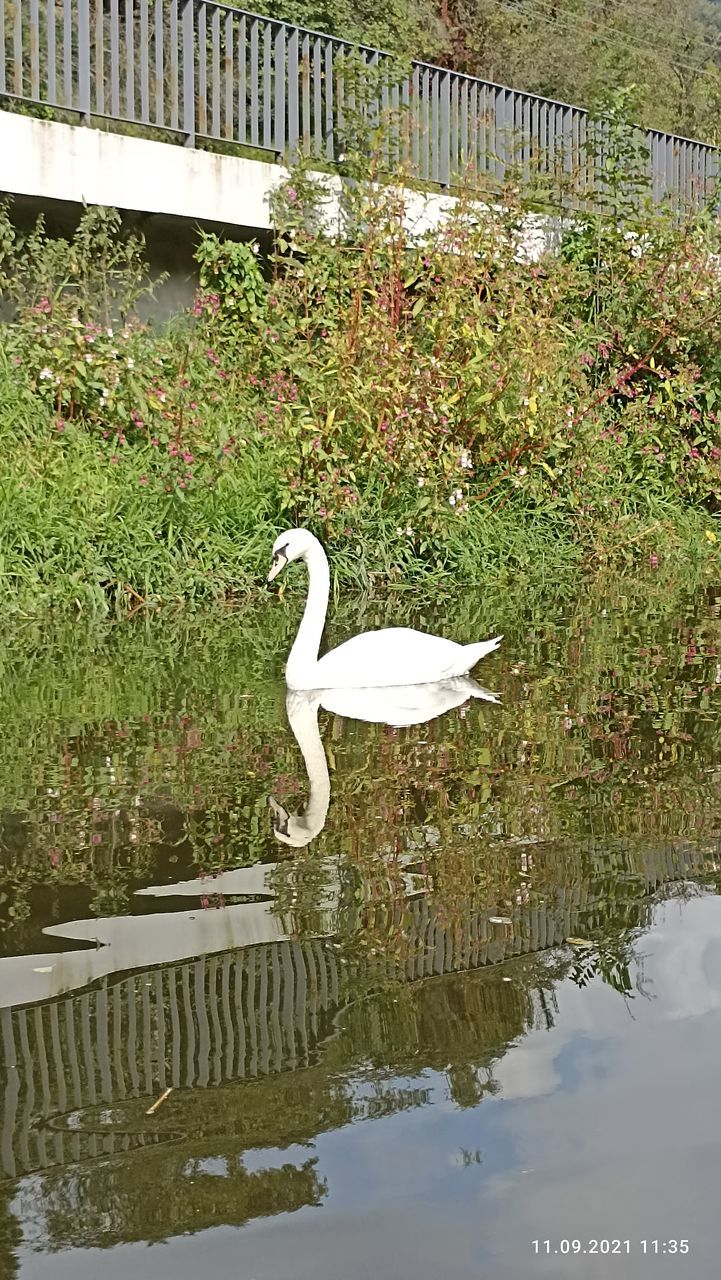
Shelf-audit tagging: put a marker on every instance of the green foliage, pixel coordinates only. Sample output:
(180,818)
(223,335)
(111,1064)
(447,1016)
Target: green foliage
(433,404)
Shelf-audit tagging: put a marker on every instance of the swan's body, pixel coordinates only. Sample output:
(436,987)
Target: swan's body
(373,660)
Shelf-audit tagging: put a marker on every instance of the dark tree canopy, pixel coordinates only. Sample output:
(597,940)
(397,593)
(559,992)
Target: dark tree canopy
(574,50)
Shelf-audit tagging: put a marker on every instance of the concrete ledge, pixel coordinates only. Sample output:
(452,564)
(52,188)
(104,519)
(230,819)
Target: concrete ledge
(53,161)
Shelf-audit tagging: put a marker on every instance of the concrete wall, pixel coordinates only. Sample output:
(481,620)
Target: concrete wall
(167,192)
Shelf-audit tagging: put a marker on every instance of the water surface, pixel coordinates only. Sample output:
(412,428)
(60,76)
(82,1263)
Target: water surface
(454,989)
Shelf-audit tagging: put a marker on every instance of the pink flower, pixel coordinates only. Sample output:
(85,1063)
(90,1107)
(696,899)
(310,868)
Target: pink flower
(143,480)
(653,560)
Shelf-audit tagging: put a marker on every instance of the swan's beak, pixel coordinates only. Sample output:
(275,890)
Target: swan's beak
(275,568)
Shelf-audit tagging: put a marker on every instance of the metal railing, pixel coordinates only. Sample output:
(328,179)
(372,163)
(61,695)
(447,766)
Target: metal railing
(210,71)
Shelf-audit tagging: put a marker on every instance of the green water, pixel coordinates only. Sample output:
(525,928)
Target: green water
(384,1055)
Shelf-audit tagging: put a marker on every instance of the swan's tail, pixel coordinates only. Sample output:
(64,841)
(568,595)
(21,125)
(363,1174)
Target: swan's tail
(474,652)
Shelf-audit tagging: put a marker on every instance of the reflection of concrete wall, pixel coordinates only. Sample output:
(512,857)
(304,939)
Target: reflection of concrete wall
(235,1015)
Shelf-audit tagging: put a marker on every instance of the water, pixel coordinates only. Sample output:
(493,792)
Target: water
(454,991)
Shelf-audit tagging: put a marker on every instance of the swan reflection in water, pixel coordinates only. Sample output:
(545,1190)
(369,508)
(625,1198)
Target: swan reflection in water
(125,942)
(398,707)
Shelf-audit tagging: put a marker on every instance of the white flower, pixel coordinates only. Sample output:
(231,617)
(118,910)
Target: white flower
(109,333)
(46,373)
(465,460)
(88,358)
(452,500)
(421,481)
(130,362)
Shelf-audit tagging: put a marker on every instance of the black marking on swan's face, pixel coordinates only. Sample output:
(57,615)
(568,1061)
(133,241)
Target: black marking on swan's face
(280,817)
(280,560)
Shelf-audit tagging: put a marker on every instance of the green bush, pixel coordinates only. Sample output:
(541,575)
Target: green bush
(432,405)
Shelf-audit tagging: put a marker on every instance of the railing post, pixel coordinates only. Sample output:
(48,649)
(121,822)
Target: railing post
(189,72)
(84,60)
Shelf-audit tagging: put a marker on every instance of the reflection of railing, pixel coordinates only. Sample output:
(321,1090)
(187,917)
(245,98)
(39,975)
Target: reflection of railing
(241,1014)
(207,70)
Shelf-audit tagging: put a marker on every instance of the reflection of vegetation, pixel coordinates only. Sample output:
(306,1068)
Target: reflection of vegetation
(609,960)
(148,752)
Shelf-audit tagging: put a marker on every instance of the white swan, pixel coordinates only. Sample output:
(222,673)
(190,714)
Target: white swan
(375,659)
(403,705)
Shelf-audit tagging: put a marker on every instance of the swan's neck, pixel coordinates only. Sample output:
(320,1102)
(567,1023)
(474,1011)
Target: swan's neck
(303,658)
(303,719)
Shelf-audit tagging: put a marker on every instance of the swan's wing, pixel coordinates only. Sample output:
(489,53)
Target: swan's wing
(396,656)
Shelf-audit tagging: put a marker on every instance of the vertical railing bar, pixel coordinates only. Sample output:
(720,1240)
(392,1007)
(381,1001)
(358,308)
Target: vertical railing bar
(239,1012)
(217,1026)
(275,1025)
(288,1006)
(102,1043)
(203,70)
(34,50)
(444,140)
(254,84)
(18,50)
(318,96)
(144,63)
(395,123)
(99,98)
(229,74)
(50,19)
(339,66)
(435,173)
(159,63)
(129,61)
(329,100)
(229,1037)
(416,122)
(267,86)
(173,37)
(188,73)
(242,79)
(263,1038)
(425,166)
(279,101)
(215,39)
(455,108)
(59,1065)
(147,1033)
(131,1039)
(292,90)
(471,113)
(87,1046)
(160,1008)
(114,59)
(67,54)
(201,1013)
(306,122)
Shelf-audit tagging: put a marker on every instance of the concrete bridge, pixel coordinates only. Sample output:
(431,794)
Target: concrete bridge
(92,95)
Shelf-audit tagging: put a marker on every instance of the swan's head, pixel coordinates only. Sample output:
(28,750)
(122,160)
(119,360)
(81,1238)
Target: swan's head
(294,544)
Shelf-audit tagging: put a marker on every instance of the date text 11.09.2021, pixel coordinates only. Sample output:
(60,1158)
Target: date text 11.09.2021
(650,1247)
